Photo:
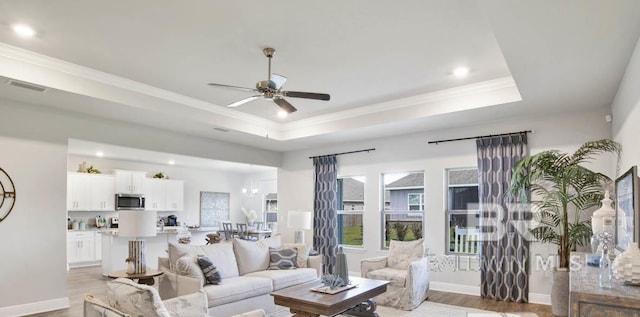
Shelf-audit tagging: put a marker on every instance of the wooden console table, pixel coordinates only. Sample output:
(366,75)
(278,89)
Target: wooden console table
(143,278)
(587,298)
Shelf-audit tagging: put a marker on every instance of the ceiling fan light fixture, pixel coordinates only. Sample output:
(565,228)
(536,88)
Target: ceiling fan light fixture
(282,114)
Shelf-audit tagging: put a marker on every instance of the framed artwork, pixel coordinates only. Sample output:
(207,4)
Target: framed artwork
(214,207)
(627,209)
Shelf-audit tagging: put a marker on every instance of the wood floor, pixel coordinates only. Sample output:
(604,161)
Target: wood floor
(89,280)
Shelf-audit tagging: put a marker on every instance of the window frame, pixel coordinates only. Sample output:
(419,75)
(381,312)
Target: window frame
(449,212)
(421,198)
(410,213)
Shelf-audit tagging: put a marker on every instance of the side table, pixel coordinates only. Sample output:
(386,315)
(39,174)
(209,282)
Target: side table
(143,278)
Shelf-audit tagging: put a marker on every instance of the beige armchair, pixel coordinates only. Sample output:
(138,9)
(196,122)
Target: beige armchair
(127,298)
(407,268)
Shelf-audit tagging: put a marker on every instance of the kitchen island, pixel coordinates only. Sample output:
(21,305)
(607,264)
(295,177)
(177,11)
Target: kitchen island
(115,249)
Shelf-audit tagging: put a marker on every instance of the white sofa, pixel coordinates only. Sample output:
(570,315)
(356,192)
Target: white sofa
(128,299)
(246,282)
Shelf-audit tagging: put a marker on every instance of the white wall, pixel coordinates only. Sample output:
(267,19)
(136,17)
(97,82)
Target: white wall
(626,113)
(411,152)
(33,150)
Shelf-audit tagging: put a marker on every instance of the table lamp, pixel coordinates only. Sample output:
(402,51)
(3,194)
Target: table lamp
(299,220)
(137,224)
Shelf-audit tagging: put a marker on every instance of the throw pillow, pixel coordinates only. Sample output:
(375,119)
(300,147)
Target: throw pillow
(402,253)
(209,270)
(282,259)
(188,266)
(303,252)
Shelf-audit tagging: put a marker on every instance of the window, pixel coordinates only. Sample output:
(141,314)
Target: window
(462,211)
(403,206)
(271,207)
(416,201)
(350,210)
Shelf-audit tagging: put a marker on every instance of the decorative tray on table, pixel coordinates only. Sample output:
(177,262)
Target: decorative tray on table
(328,290)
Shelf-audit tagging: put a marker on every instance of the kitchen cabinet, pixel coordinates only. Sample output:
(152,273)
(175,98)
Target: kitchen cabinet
(97,246)
(80,247)
(103,192)
(90,192)
(130,182)
(164,194)
(78,191)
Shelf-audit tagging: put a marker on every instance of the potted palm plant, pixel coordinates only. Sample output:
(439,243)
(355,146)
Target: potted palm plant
(559,189)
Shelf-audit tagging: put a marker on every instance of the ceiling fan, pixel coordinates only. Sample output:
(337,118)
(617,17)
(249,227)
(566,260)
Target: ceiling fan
(272,89)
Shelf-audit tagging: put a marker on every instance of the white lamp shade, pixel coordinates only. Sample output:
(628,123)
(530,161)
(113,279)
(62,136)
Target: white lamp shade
(137,223)
(299,220)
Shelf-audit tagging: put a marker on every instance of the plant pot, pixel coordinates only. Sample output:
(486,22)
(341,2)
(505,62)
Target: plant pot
(560,292)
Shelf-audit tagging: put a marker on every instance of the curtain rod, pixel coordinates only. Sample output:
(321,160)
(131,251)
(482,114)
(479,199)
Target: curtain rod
(480,137)
(350,152)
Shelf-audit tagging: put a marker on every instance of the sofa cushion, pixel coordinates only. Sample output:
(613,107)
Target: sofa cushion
(402,253)
(221,254)
(188,266)
(211,273)
(303,252)
(237,288)
(282,259)
(254,256)
(397,277)
(286,278)
(135,299)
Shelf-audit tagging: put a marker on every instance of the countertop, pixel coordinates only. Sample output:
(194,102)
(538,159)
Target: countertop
(167,230)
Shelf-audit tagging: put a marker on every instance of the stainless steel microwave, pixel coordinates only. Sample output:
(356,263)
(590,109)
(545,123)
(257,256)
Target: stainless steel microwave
(130,201)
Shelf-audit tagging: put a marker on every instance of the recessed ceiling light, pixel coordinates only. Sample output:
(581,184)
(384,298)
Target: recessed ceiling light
(461,72)
(172,162)
(282,114)
(99,154)
(24,30)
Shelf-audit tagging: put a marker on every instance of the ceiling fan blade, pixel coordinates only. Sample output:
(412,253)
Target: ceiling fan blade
(276,81)
(243,101)
(234,87)
(284,105)
(306,95)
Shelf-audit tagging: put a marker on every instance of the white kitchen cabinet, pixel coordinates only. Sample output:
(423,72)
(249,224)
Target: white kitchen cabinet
(90,192)
(80,247)
(130,182)
(78,191)
(103,192)
(154,194)
(174,195)
(164,194)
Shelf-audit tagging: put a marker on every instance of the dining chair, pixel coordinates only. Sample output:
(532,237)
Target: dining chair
(258,225)
(227,227)
(243,231)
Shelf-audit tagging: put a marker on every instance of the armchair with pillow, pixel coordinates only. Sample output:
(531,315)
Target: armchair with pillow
(407,268)
(127,298)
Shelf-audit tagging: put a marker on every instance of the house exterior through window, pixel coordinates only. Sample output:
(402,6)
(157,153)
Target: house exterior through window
(403,206)
(350,210)
(462,232)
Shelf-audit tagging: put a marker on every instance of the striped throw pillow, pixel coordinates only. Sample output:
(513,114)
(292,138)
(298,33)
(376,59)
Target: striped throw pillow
(282,259)
(211,273)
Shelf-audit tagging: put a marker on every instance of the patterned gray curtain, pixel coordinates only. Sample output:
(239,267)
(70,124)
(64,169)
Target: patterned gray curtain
(325,225)
(504,253)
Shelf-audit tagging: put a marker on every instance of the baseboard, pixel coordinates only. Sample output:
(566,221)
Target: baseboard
(34,308)
(534,298)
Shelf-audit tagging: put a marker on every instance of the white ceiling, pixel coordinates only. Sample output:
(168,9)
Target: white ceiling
(386,64)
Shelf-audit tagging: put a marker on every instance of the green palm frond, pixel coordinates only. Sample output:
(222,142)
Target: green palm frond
(556,183)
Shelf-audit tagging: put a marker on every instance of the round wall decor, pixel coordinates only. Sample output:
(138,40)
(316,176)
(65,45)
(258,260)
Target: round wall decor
(7,194)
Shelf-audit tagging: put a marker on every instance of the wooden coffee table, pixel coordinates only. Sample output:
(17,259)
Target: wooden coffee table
(303,302)
(143,278)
